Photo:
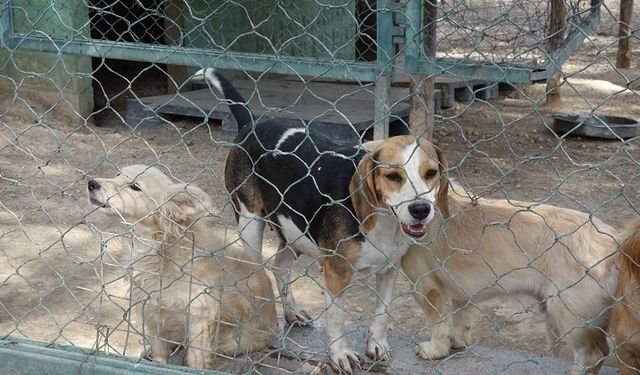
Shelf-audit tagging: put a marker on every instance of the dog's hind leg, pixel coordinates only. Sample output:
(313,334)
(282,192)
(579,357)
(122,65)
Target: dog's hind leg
(251,227)
(552,337)
(629,362)
(283,262)
(462,328)
(589,344)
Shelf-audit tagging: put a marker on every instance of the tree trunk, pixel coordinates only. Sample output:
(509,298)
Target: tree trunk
(623,58)
(557,25)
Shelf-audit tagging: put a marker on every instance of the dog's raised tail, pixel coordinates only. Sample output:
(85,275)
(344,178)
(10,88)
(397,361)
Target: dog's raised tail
(236,102)
(630,249)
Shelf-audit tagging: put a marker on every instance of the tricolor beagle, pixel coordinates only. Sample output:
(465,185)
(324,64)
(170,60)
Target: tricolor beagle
(355,209)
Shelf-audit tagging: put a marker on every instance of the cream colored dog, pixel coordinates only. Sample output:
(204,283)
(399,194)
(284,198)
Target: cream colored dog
(485,247)
(190,288)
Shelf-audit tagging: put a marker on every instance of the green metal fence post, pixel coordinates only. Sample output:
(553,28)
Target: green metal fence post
(384,64)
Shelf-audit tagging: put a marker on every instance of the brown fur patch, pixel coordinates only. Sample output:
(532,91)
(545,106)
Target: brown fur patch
(338,269)
(442,199)
(241,182)
(625,322)
(363,193)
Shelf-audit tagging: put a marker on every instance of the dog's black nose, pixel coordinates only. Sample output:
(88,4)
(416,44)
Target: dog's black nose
(420,210)
(93,185)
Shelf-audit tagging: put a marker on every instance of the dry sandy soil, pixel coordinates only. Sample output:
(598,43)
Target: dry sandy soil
(63,271)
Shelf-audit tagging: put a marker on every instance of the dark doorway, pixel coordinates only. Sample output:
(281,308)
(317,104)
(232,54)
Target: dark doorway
(132,21)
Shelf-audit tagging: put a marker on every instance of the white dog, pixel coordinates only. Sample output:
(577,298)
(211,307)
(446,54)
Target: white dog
(486,247)
(190,288)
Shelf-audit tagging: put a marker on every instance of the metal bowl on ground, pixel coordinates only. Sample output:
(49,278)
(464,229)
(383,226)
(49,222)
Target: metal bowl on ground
(610,127)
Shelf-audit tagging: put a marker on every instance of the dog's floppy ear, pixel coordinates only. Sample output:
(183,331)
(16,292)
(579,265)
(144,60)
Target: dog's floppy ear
(442,198)
(363,193)
(185,204)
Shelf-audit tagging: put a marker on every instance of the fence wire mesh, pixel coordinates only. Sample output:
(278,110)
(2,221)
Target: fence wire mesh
(164,273)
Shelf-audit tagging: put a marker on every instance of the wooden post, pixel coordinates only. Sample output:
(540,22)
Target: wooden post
(623,57)
(557,25)
(422,109)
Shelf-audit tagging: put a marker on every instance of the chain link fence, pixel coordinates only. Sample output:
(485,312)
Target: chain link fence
(89,88)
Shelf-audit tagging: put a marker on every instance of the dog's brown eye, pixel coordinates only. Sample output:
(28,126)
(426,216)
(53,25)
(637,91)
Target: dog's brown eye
(135,186)
(393,176)
(431,173)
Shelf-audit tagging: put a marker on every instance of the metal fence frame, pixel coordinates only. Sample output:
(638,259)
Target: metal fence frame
(23,356)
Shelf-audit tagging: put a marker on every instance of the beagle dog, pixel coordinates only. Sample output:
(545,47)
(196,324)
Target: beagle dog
(354,209)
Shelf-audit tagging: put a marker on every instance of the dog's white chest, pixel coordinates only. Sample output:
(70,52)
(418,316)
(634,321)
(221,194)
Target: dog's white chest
(382,249)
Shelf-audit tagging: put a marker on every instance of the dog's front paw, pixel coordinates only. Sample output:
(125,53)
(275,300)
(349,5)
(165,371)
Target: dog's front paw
(432,349)
(378,349)
(197,358)
(299,317)
(344,361)
(462,337)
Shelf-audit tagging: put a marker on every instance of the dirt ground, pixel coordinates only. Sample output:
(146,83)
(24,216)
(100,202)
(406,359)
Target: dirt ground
(63,270)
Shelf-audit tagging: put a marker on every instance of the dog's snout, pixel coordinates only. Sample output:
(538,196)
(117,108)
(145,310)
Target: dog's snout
(93,185)
(420,210)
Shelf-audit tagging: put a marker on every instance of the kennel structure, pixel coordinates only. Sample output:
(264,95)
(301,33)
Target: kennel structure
(51,47)
(48,44)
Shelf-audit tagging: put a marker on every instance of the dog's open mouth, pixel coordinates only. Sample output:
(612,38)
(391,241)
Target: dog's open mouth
(415,230)
(98,203)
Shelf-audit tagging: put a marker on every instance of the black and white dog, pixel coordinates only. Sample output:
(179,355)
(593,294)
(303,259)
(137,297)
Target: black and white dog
(355,208)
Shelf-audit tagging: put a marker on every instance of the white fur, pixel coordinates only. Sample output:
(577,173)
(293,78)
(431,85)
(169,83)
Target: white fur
(384,246)
(251,227)
(296,239)
(208,73)
(339,349)
(414,188)
(288,133)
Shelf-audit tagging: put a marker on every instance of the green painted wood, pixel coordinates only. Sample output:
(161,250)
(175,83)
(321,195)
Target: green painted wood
(317,67)
(53,76)
(416,62)
(326,29)
(24,357)
(384,35)
(474,70)
(6,26)
(412,35)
